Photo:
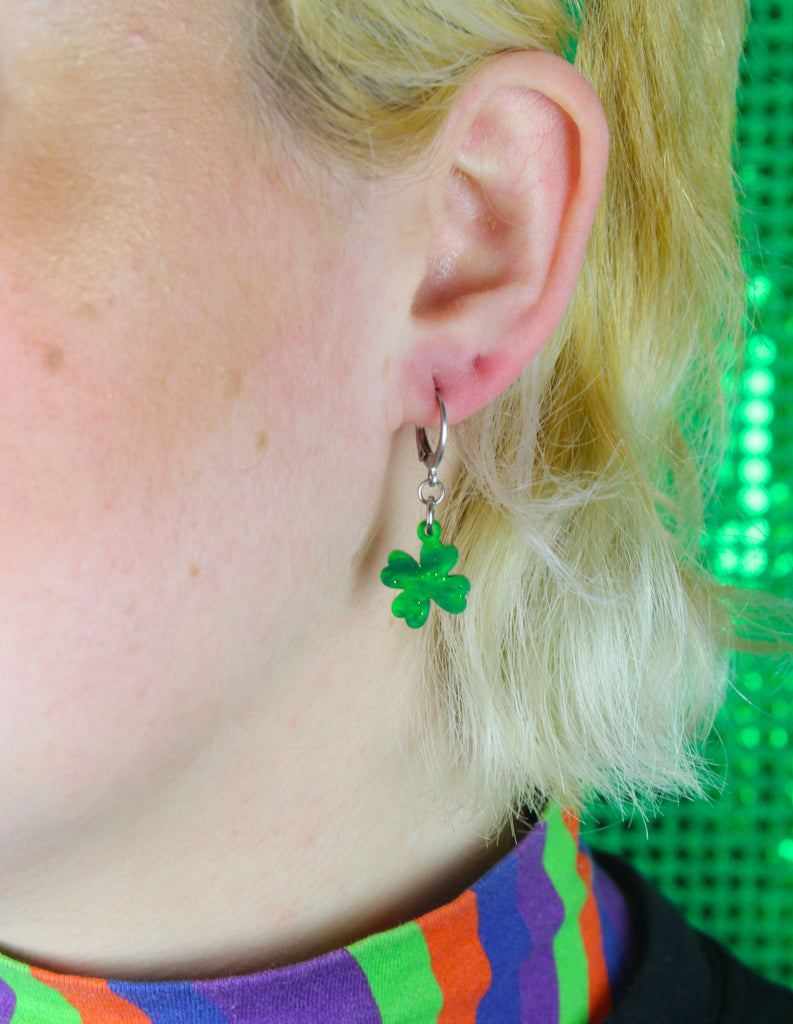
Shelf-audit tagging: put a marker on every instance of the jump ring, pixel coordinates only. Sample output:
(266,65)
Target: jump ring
(428,500)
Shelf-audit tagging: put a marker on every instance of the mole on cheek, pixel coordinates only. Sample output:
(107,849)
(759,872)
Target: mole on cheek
(89,312)
(232,385)
(52,359)
(262,442)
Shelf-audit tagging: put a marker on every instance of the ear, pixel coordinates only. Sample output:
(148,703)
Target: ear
(511,196)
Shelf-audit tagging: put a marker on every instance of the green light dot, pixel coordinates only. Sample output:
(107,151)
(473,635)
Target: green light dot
(750,737)
(761,349)
(757,412)
(759,383)
(726,562)
(783,566)
(752,681)
(786,849)
(783,532)
(748,795)
(757,532)
(759,289)
(749,766)
(755,472)
(754,500)
(780,493)
(779,738)
(730,533)
(754,562)
(756,441)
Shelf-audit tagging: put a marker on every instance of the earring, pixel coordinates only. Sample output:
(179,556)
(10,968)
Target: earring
(429,578)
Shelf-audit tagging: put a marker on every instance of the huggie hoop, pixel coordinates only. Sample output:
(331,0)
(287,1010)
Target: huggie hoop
(430,458)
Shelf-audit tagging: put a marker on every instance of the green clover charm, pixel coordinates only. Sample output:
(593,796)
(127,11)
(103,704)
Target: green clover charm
(429,580)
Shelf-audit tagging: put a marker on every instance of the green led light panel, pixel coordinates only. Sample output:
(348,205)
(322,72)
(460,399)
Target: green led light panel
(728,862)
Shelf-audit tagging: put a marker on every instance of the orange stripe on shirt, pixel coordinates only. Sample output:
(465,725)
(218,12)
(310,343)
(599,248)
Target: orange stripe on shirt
(572,824)
(92,999)
(591,933)
(458,961)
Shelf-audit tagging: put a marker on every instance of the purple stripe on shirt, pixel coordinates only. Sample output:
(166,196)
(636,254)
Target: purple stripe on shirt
(543,912)
(330,990)
(616,926)
(8,1002)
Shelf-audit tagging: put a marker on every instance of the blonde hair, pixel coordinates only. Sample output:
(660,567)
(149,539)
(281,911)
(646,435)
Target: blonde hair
(593,653)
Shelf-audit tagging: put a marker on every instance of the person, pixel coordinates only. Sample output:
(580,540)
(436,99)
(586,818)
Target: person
(247,248)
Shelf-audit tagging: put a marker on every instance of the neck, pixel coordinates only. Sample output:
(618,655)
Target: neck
(303,823)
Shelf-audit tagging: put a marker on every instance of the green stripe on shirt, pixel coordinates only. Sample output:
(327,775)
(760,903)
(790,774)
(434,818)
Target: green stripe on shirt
(400,975)
(559,860)
(34,998)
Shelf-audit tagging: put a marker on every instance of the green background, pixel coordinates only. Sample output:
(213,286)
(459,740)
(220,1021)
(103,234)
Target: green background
(728,863)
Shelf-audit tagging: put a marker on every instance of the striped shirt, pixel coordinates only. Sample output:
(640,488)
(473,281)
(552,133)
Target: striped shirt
(542,938)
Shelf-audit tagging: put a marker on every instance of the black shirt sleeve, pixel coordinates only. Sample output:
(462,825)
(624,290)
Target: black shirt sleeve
(682,976)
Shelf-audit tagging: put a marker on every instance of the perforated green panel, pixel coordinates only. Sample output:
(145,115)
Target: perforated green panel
(729,864)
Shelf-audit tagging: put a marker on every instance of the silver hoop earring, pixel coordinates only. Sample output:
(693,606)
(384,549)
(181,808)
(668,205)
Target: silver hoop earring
(428,579)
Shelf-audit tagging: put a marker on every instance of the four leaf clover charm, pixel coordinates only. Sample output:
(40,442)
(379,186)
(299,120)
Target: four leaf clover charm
(426,580)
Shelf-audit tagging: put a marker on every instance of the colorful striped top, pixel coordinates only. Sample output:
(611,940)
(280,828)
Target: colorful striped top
(544,937)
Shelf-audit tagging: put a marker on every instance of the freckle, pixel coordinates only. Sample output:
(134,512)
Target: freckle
(53,358)
(88,311)
(386,365)
(232,385)
(195,570)
(262,442)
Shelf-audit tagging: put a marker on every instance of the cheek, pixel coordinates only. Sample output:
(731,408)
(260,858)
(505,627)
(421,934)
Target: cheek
(115,384)
(92,407)
(177,331)
(167,477)
(123,366)
(95,550)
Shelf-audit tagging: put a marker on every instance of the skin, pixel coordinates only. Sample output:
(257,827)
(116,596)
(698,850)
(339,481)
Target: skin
(214,354)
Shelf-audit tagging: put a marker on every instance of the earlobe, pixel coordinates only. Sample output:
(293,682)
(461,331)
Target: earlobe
(525,154)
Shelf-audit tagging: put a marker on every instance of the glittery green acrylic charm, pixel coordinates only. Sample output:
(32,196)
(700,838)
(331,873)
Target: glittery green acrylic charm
(426,580)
